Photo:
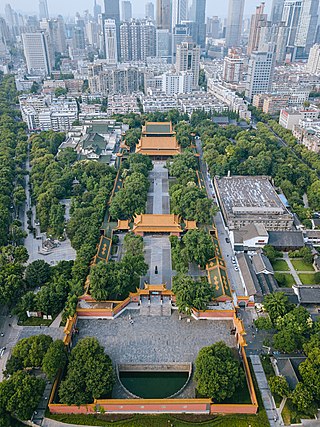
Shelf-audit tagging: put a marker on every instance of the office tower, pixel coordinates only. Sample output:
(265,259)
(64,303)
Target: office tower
(78,40)
(92,33)
(280,36)
(233,67)
(112,10)
(96,10)
(181,33)
(314,59)
(126,11)
(56,31)
(149,11)
(307,27)
(200,19)
(291,17)
(36,52)
(43,9)
(164,14)
(213,27)
(188,59)
(12,20)
(234,23)
(258,20)
(110,34)
(163,44)
(179,11)
(276,11)
(260,72)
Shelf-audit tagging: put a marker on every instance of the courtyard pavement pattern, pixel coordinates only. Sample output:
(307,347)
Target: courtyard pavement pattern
(155,339)
(157,248)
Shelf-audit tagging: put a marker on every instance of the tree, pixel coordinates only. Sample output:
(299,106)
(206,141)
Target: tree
(37,273)
(276,304)
(191,294)
(263,323)
(310,372)
(198,246)
(21,394)
(217,373)
(95,378)
(98,281)
(286,341)
(270,252)
(302,398)
(278,385)
(317,277)
(60,91)
(54,359)
(313,342)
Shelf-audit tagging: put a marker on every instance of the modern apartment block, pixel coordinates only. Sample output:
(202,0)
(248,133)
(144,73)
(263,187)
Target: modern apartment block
(188,59)
(314,59)
(260,71)
(246,200)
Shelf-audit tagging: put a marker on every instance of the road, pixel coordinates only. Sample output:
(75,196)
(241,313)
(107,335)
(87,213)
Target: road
(226,248)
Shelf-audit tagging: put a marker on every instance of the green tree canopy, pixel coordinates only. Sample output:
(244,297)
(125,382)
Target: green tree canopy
(37,273)
(276,304)
(302,398)
(278,385)
(198,247)
(310,372)
(95,378)
(217,373)
(54,359)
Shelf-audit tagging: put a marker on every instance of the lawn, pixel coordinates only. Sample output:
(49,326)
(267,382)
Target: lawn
(280,265)
(290,414)
(300,265)
(289,280)
(35,321)
(166,420)
(307,278)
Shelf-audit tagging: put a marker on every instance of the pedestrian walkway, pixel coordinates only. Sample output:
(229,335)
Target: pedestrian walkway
(292,269)
(266,395)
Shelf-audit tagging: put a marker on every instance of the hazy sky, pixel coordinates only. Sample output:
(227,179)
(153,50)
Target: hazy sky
(69,7)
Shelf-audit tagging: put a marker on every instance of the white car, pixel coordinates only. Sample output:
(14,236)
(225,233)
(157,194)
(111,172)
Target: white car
(236,268)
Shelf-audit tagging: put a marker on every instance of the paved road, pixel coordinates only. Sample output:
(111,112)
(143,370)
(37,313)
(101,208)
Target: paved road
(226,247)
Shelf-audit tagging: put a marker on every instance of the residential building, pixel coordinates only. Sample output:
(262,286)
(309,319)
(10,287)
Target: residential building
(112,10)
(260,72)
(230,98)
(37,53)
(188,59)
(163,44)
(291,18)
(111,45)
(307,27)
(246,200)
(234,23)
(258,21)
(177,83)
(181,33)
(179,12)
(126,10)
(56,31)
(137,40)
(164,19)
(117,80)
(149,14)
(314,59)
(213,27)
(233,67)
(276,11)
(291,116)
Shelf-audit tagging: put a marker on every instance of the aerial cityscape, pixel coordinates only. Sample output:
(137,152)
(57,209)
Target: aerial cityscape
(160,213)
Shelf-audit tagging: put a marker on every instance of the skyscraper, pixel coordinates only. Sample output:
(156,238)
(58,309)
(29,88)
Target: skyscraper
(233,66)
(149,11)
(260,72)
(43,9)
(164,19)
(307,27)
(112,10)
(179,12)
(291,17)
(36,52)
(137,40)
(314,59)
(56,30)
(188,59)
(199,8)
(258,20)
(276,11)
(110,33)
(96,10)
(234,23)
(126,10)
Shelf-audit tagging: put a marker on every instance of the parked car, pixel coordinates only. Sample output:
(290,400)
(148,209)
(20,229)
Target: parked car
(227,240)
(236,268)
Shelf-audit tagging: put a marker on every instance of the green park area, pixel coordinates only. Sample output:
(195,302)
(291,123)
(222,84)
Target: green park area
(285,280)
(307,278)
(280,265)
(301,265)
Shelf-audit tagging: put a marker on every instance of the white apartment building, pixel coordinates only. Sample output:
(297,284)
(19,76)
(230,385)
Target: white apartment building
(314,59)
(290,117)
(176,83)
(110,31)
(260,71)
(188,59)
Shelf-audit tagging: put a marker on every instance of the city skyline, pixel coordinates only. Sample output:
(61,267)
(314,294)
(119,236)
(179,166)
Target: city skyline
(71,7)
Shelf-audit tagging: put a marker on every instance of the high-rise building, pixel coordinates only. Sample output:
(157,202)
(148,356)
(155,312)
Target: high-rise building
(112,10)
(213,27)
(276,11)
(233,67)
(43,9)
(164,19)
(291,17)
(110,34)
(126,10)
(188,59)
(199,10)
(96,10)
(258,20)
(56,30)
(137,40)
(92,33)
(234,23)
(78,39)
(307,27)
(314,59)
(260,72)
(148,39)
(163,44)
(179,11)
(37,53)
(181,33)
(149,11)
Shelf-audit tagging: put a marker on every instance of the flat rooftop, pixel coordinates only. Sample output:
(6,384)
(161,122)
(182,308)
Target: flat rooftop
(249,195)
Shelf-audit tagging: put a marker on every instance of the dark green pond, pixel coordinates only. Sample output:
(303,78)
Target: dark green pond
(153,385)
